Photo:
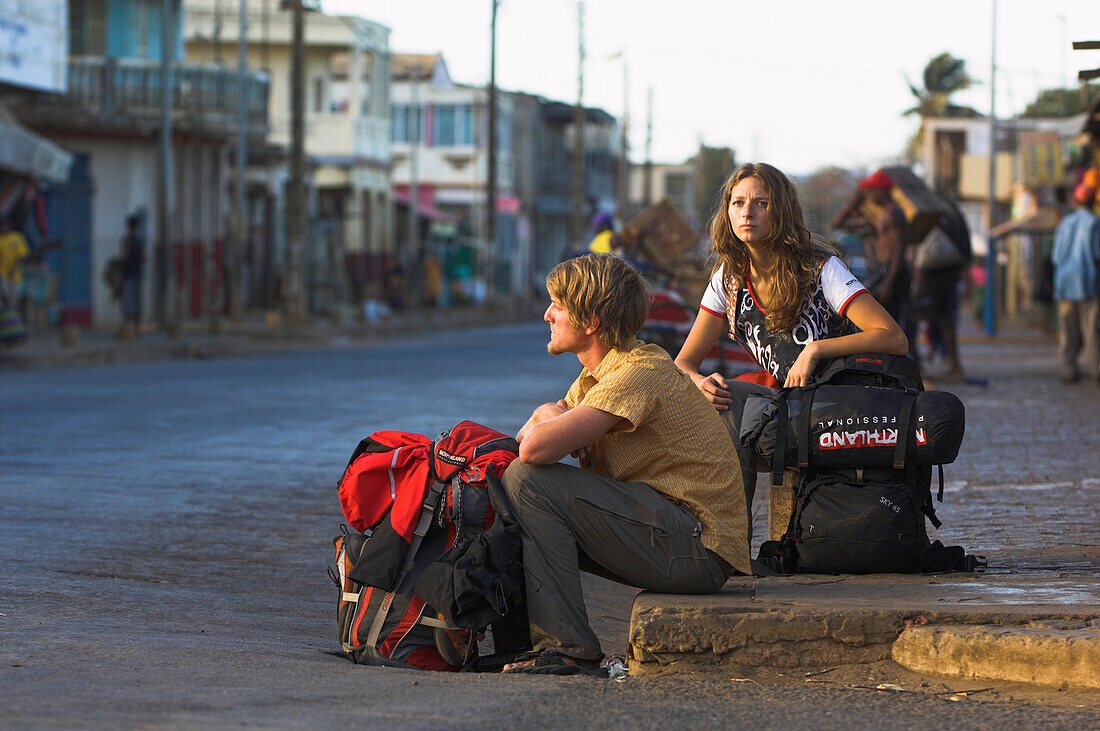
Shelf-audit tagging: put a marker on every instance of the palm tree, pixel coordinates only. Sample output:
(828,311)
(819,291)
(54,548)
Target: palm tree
(943,76)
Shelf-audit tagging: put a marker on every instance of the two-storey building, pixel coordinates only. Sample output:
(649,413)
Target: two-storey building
(109,117)
(552,207)
(440,149)
(347,133)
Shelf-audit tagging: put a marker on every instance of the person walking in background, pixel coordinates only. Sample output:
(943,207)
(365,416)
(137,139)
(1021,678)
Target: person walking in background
(13,250)
(891,277)
(1075,256)
(940,265)
(133,261)
(603,225)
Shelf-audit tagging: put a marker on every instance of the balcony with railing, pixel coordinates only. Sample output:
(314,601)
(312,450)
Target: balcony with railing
(124,95)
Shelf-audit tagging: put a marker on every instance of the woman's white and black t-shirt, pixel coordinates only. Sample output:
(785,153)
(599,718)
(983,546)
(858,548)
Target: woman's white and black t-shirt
(822,315)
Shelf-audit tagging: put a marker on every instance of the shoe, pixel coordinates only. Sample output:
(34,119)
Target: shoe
(1070,376)
(551,662)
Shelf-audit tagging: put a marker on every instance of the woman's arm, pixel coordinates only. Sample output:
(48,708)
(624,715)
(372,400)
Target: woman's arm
(704,335)
(880,334)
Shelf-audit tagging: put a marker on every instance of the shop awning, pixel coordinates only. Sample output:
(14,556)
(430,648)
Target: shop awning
(429,212)
(24,152)
(1043,221)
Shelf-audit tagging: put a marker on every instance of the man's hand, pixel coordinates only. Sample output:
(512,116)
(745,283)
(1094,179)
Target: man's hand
(715,388)
(803,368)
(549,410)
(543,413)
(581,453)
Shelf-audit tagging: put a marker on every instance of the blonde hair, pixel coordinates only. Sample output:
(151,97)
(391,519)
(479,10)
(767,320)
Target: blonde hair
(603,289)
(799,254)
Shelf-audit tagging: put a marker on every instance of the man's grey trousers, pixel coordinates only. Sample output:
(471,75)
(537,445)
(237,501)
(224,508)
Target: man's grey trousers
(572,519)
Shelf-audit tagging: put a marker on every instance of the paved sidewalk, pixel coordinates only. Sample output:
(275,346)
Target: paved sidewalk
(1023,492)
(254,334)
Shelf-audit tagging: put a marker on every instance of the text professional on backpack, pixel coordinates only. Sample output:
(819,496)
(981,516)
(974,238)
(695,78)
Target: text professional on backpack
(656,502)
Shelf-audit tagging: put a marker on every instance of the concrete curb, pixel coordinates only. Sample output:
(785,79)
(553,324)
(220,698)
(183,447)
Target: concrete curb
(1044,655)
(963,625)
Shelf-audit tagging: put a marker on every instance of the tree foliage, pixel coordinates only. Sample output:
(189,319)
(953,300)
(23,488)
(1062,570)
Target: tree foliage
(824,193)
(943,76)
(1062,102)
(712,166)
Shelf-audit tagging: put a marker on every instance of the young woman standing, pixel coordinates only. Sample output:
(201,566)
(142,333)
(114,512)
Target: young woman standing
(784,295)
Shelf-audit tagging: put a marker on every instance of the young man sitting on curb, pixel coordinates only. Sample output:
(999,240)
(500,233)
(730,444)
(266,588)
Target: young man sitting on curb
(657,502)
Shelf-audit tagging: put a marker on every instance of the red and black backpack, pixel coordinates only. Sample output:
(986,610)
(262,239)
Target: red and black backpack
(432,563)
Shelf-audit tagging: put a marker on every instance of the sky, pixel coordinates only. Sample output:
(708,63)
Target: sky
(802,84)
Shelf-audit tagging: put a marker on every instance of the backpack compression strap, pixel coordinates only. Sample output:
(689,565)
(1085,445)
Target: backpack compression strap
(779,455)
(806,406)
(427,511)
(901,444)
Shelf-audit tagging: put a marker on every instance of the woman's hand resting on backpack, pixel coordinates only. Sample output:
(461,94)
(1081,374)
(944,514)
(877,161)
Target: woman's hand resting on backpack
(803,367)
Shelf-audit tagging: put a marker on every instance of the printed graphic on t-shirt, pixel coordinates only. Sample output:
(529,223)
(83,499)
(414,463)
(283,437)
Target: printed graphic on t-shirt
(822,316)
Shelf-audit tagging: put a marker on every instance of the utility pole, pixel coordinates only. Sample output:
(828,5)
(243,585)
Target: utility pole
(578,136)
(166,285)
(412,117)
(647,194)
(491,186)
(240,212)
(265,47)
(624,144)
(296,195)
(989,309)
(217,32)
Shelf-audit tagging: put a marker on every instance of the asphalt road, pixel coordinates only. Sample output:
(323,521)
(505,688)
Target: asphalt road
(165,529)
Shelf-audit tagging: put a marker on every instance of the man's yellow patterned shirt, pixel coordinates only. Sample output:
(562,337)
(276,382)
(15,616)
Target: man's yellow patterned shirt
(675,442)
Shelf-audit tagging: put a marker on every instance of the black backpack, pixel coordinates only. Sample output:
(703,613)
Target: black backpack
(865,436)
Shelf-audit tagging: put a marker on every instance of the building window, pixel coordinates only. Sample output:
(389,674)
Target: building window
(400,123)
(406,122)
(445,116)
(338,96)
(465,124)
(504,131)
(88,27)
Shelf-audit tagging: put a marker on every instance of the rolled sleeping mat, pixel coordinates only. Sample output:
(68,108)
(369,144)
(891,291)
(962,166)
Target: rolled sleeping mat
(857,426)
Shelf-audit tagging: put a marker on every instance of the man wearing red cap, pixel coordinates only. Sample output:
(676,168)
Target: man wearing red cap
(890,277)
(1075,255)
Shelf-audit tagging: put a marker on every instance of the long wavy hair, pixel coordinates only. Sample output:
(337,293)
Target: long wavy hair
(799,254)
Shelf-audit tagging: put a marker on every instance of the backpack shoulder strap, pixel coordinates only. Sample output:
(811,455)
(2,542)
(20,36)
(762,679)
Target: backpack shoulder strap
(427,512)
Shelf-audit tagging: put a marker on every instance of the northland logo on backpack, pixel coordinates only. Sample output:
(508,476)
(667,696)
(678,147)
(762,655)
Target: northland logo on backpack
(450,458)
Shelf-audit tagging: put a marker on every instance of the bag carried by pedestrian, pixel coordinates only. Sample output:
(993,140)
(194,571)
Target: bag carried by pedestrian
(435,559)
(937,252)
(865,436)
